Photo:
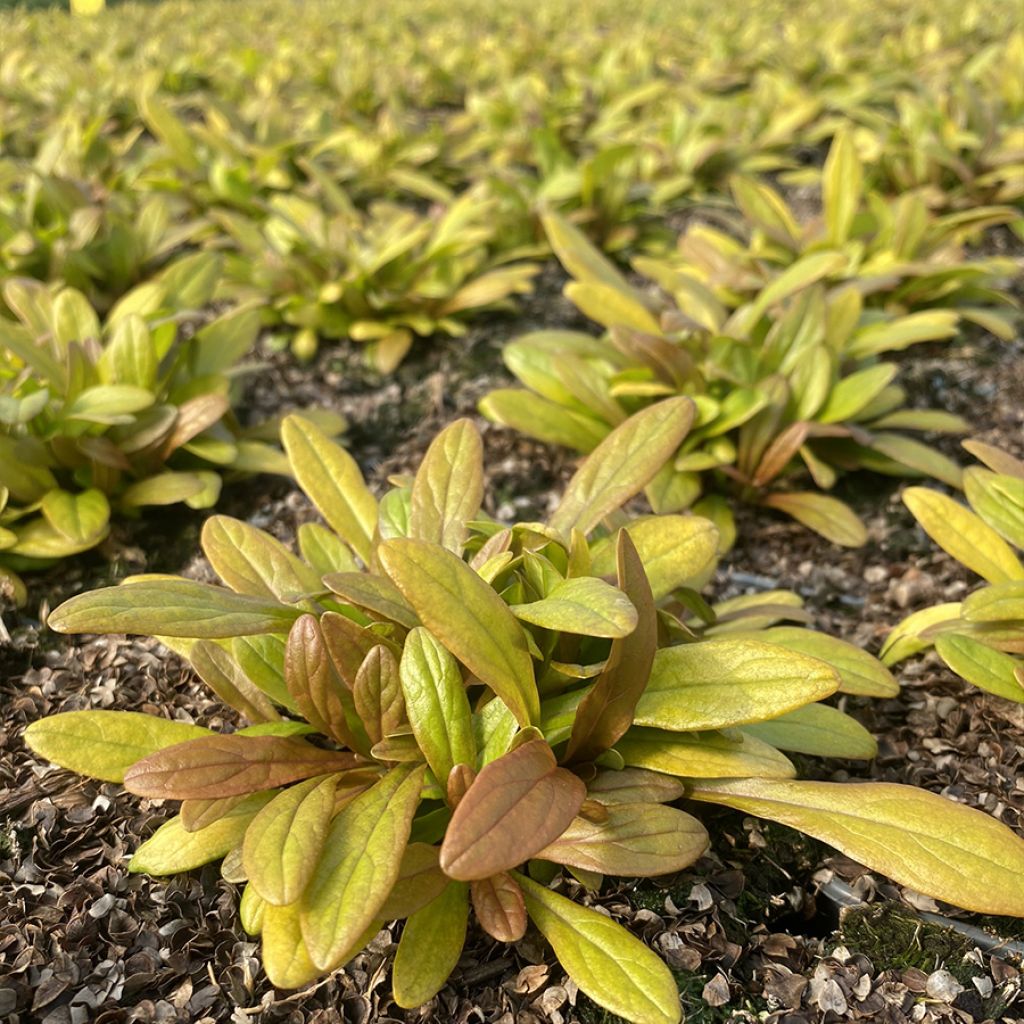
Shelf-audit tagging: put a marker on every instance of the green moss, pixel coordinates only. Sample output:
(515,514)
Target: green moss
(894,939)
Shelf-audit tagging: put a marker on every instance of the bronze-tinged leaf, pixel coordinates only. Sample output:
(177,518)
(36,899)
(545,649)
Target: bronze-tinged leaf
(515,807)
(460,778)
(623,464)
(823,514)
(219,766)
(640,839)
(449,487)
(420,879)
(171,607)
(499,906)
(375,594)
(224,676)
(606,712)
(348,644)
(469,619)
(377,694)
(194,416)
(780,453)
(314,685)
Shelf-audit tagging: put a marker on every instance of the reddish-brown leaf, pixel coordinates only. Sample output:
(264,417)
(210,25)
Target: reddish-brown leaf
(517,805)
(420,880)
(377,693)
(221,766)
(348,644)
(606,712)
(313,683)
(460,778)
(780,453)
(500,907)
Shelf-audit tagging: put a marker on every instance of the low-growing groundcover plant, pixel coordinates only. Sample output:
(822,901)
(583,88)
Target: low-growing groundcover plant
(112,417)
(982,637)
(788,383)
(444,710)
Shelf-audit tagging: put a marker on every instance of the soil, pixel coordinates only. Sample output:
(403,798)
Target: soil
(747,930)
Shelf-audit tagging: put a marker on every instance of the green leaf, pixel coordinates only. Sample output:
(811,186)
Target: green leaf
(282,848)
(360,865)
(515,807)
(674,550)
(622,465)
(105,744)
(611,307)
(469,619)
(901,333)
(579,257)
(109,404)
(218,766)
(640,839)
(81,518)
(964,535)
(723,682)
(430,946)
(604,715)
(822,514)
(999,500)
(841,183)
(991,670)
(702,755)
(252,562)
(543,419)
(130,356)
(919,457)
(584,605)
(934,845)
(324,550)
(1001,602)
(449,487)
(163,489)
(171,850)
(855,392)
(333,482)
(224,676)
(436,703)
(176,608)
(611,966)
(817,730)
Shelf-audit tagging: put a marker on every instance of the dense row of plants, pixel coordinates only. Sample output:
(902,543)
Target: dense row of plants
(439,711)
(443,711)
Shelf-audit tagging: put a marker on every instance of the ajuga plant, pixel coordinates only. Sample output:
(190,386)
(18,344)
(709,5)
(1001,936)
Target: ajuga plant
(982,637)
(786,384)
(329,270)
(125,413)
(445,710)
(898,255)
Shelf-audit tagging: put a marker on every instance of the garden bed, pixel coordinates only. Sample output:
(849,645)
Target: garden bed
(747,930)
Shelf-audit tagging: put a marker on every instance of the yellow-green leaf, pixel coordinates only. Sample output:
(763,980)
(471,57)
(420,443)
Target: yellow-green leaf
(841,183)
(823,514)
(449,486)
(640,839)
(818,730)
(585,605)
(622,465)
(469,619)
(964,535)
(702,755)
(285,957)
(723,681)
(611,966)
(333,482)
(991,670)
(81,518)
(934,845)
(282,848)
(361,862)
(430,946)
(104,744)
(436,703)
